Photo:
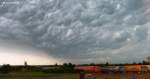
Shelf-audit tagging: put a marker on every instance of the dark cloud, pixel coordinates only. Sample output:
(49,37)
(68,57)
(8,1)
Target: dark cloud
(75,30)
(142,33)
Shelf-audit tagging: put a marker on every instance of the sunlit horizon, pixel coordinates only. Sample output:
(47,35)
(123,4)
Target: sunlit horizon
(17,56)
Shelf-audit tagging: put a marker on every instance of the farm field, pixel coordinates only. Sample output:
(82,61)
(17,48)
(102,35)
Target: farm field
(74,76)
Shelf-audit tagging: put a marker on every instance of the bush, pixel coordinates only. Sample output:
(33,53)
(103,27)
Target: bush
(5,69)
(65,68)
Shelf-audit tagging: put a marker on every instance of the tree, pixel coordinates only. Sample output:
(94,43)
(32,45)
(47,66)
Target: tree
(107,64)
(134,63)
(25,64)
(56,65)
(144,62)
(5,69)
(68,67)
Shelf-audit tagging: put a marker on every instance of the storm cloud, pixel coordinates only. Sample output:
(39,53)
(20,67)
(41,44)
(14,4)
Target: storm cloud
(79,31)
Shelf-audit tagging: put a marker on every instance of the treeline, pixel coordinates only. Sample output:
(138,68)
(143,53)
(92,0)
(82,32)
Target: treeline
(65,68)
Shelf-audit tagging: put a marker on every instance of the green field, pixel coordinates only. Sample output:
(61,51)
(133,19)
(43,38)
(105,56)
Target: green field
(39,76)
(68,76)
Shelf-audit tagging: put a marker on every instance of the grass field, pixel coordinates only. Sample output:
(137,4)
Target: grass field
(39,76)
(70,76)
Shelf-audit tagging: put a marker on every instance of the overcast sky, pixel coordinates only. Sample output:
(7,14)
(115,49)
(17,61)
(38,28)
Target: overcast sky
(79,31)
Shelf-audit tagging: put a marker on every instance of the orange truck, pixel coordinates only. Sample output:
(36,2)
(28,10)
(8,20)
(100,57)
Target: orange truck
(114,69)
(145,68)
(133,68)
(136,68)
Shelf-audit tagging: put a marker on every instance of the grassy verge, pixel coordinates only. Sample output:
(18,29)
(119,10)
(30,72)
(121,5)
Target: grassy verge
(39,75)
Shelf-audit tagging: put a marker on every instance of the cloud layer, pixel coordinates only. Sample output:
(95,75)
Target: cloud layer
(79,31)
